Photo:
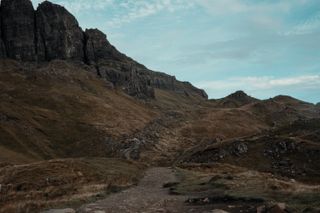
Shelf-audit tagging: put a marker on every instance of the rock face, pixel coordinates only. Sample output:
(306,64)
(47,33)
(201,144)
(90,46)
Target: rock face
(18,27)
(123,71)
(114,66)
(58,32)
(2,47)
(51,32)
(98,48)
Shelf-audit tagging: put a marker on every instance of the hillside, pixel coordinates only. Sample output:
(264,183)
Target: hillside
(61,110)
(80,120)
(50,32)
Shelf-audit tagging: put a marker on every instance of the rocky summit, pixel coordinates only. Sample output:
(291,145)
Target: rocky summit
(58,34)
(50,32)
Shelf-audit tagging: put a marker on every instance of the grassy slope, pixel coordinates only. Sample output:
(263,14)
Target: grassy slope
(225,181)
(60,110)
(291,151)
(60,182)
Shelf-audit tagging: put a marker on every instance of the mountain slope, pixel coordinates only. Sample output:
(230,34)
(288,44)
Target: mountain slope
(60,110)
(51,32)
(75,113)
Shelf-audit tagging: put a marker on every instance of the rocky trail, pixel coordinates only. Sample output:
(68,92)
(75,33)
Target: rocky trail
(148,196)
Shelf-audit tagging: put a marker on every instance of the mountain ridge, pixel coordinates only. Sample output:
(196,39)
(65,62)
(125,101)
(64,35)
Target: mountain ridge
(80,120)
(50,32)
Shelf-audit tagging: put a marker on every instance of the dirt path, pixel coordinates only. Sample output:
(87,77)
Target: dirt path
(149,196)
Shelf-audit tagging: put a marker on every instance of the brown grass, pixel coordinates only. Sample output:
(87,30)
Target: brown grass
(48,184)
(205,180)
(60,110)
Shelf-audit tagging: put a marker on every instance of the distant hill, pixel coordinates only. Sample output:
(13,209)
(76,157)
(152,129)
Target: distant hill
(236,99)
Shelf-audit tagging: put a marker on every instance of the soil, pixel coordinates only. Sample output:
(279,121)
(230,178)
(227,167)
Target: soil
(148,196)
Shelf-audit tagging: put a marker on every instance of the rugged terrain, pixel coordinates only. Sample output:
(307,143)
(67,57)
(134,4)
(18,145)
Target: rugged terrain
(80,120)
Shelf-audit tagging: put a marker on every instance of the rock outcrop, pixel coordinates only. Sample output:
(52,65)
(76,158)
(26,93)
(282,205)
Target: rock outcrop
(99,49)
(58,32)
(123,71)
(18,27)
(2,47)
(51,32)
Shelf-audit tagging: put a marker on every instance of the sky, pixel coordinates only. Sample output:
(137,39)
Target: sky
(264,47)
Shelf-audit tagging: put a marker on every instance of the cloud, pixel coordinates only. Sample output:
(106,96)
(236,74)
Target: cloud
(263,83)
(140,9)
(77,6)
(307,26)
(229,7)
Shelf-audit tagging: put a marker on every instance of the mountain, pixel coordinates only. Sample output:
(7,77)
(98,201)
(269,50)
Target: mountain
(80,120)
(60,110)
(50,32)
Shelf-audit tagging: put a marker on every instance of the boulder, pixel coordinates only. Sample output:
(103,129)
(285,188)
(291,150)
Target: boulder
(59,34)
(18,29)
(275,208)
(218,211)
(68,210)
(239,149)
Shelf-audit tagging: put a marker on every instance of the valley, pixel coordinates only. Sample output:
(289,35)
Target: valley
(85,128)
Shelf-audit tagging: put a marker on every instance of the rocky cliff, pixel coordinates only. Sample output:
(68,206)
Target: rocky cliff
(58,33)
(18,29)
(2,47)
(50,32)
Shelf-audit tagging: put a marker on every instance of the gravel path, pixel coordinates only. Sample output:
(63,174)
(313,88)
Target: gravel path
(149,196)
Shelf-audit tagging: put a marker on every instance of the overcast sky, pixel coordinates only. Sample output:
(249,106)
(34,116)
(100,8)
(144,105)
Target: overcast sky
(264,47)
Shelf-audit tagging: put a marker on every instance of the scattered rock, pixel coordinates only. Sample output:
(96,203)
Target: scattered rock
(134,148)
(277,208)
